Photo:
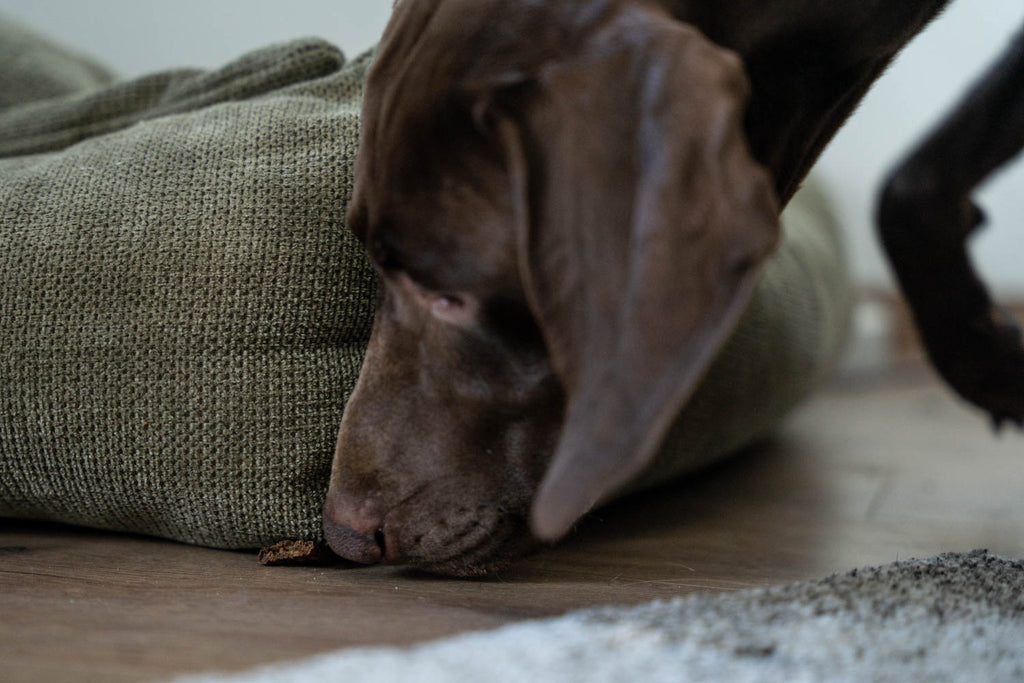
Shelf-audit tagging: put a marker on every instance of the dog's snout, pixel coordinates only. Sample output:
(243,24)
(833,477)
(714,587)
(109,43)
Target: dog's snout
(354,532)
(352,545)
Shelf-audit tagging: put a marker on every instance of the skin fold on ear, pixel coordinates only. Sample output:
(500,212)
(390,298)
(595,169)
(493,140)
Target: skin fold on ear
(643,225)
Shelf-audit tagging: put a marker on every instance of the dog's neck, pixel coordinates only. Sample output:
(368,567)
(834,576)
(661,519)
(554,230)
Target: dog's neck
(809,63)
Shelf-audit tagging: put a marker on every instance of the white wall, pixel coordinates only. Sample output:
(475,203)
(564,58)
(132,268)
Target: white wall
(138,36)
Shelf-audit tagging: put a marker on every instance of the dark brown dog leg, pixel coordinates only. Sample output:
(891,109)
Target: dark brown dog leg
(925,216)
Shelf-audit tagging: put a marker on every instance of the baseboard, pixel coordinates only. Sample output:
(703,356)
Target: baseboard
(884,335)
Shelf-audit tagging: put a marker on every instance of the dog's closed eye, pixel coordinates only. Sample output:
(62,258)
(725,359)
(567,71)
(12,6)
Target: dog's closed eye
(455,308)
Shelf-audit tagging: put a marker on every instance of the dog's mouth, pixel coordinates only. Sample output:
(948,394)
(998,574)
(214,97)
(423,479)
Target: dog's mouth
(493,552)
(467,542)
(482,548)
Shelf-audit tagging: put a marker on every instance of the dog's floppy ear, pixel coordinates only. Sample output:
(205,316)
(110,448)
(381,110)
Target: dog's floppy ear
(643,224)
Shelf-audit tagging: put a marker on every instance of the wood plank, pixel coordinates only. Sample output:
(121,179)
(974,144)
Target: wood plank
(865,474)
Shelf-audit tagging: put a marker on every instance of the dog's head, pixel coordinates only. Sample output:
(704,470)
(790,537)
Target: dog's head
(567,222)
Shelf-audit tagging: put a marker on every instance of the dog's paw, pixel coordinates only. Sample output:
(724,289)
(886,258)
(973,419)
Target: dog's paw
(973,344)
(983,360)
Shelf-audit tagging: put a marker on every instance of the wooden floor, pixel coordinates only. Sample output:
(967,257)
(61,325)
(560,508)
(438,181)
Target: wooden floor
(868,472)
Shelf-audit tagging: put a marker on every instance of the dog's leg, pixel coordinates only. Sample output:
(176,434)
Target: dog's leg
(925,216)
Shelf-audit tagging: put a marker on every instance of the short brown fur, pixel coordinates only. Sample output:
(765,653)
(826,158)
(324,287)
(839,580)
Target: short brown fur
(569,204)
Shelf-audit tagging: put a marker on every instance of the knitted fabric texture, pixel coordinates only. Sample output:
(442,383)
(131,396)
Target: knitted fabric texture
(184,313)
(35,69)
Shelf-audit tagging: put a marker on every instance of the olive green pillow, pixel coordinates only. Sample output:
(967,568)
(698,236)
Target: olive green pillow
(184,313)
(32,68)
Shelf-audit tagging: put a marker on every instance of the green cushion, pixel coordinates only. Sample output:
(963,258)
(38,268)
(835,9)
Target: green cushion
(32,68)
(184,313)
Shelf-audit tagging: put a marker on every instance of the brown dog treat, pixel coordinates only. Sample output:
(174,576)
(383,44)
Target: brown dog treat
(296,553)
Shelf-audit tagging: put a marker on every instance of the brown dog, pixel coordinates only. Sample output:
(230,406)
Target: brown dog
(569,204)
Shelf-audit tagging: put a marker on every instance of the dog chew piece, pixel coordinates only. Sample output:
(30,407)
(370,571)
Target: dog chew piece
(297,554)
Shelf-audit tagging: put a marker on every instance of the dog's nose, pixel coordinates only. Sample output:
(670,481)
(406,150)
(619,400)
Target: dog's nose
(354,531)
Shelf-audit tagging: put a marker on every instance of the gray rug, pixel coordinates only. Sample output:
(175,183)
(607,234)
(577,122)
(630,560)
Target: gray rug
(955,617)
